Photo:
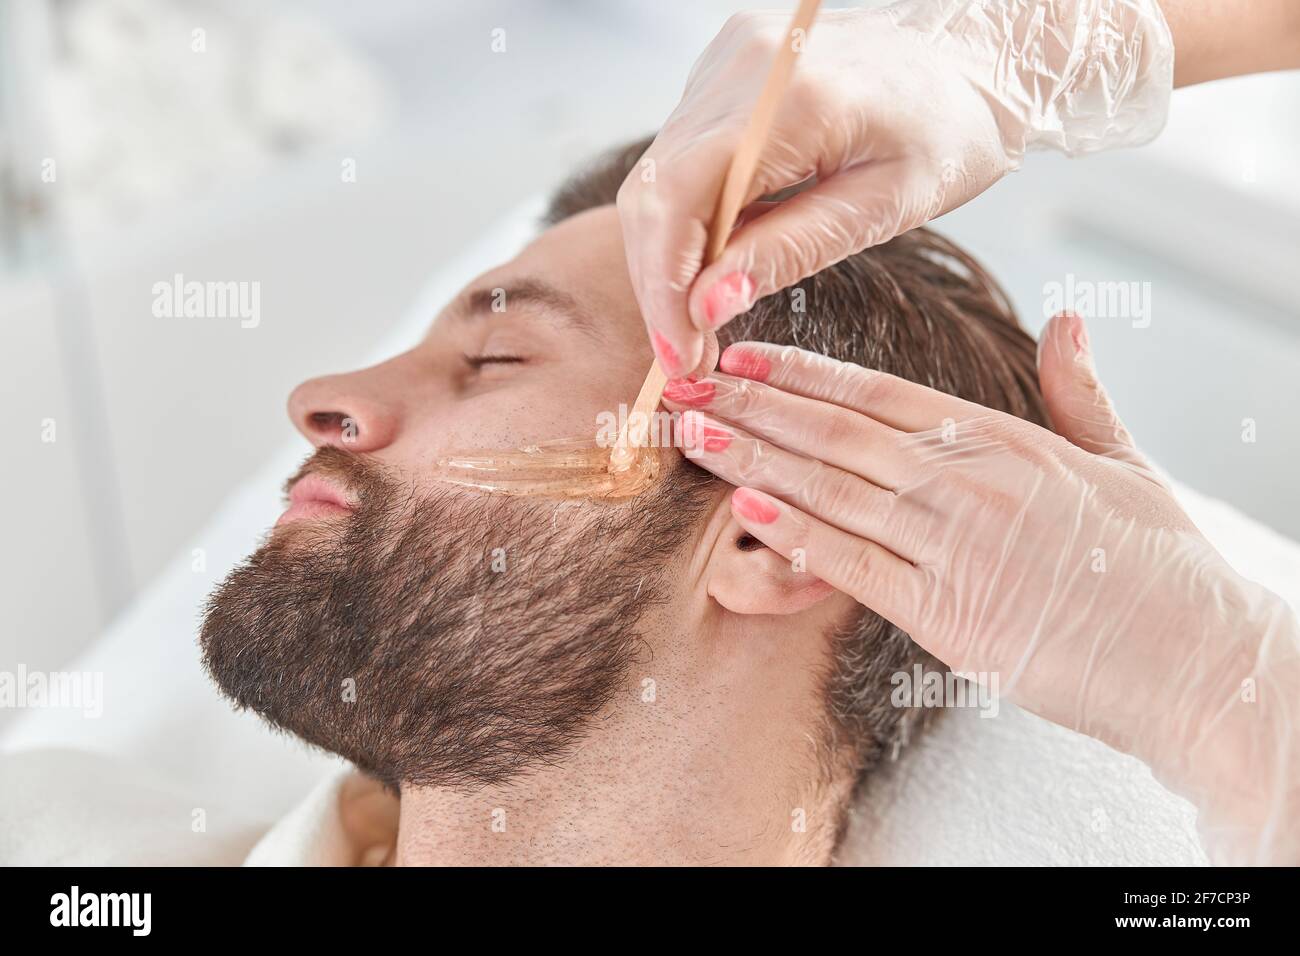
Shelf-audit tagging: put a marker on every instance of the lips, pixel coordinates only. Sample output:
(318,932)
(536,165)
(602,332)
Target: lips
(313,497)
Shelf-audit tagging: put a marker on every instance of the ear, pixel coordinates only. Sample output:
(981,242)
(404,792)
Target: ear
(747,577)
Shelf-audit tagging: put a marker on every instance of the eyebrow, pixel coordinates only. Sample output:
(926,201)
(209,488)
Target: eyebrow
(530,292)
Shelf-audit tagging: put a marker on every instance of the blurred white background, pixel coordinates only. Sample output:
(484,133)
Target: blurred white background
(225,164)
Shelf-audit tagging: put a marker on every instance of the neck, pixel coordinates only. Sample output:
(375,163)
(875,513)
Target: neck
(631,794)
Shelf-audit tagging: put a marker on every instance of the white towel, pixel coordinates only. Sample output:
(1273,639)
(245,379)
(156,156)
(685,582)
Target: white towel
(311,834)
(62,807)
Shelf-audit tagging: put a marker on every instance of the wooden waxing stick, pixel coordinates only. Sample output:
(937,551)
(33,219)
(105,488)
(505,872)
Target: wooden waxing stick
(739,175)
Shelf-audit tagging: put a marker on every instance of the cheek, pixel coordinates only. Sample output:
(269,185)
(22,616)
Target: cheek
(545,406)
(570,401)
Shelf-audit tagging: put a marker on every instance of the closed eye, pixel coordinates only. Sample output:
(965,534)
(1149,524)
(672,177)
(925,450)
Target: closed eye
(478,361)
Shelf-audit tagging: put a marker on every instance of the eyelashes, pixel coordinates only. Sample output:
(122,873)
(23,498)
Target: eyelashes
(477,362)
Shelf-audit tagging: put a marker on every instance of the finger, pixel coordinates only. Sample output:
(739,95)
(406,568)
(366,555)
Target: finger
(1078,405)
(664,208)
(838,497)
(851,210)
(831,433)
(859,567)
(888,399)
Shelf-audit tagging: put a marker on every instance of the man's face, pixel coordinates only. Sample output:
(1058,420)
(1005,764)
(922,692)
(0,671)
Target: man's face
(529,351)
(443,636)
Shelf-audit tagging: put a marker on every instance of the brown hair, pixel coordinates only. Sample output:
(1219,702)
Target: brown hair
(918,307)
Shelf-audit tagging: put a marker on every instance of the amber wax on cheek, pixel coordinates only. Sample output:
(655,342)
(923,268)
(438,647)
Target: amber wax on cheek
(564,468)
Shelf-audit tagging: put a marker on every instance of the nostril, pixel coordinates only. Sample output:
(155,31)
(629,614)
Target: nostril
(331,423)
(324,420)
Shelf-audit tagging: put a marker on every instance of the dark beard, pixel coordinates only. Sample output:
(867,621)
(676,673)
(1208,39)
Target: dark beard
(388,638)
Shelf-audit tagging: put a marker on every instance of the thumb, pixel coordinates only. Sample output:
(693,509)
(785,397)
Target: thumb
(1079,407)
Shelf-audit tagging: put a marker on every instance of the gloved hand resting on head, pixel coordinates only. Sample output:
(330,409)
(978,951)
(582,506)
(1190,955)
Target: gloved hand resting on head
(1060,562)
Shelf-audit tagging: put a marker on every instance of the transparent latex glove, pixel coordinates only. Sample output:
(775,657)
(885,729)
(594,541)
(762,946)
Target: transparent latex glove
(1059,562)
(900,114)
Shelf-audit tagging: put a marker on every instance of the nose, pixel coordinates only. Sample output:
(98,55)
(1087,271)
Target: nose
(348,411)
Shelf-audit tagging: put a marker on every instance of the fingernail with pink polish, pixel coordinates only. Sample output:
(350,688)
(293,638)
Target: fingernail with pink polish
(730,296)
(744,363)
(669,360)
(752,505)
(716,439)
(697,435)
(686,391)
